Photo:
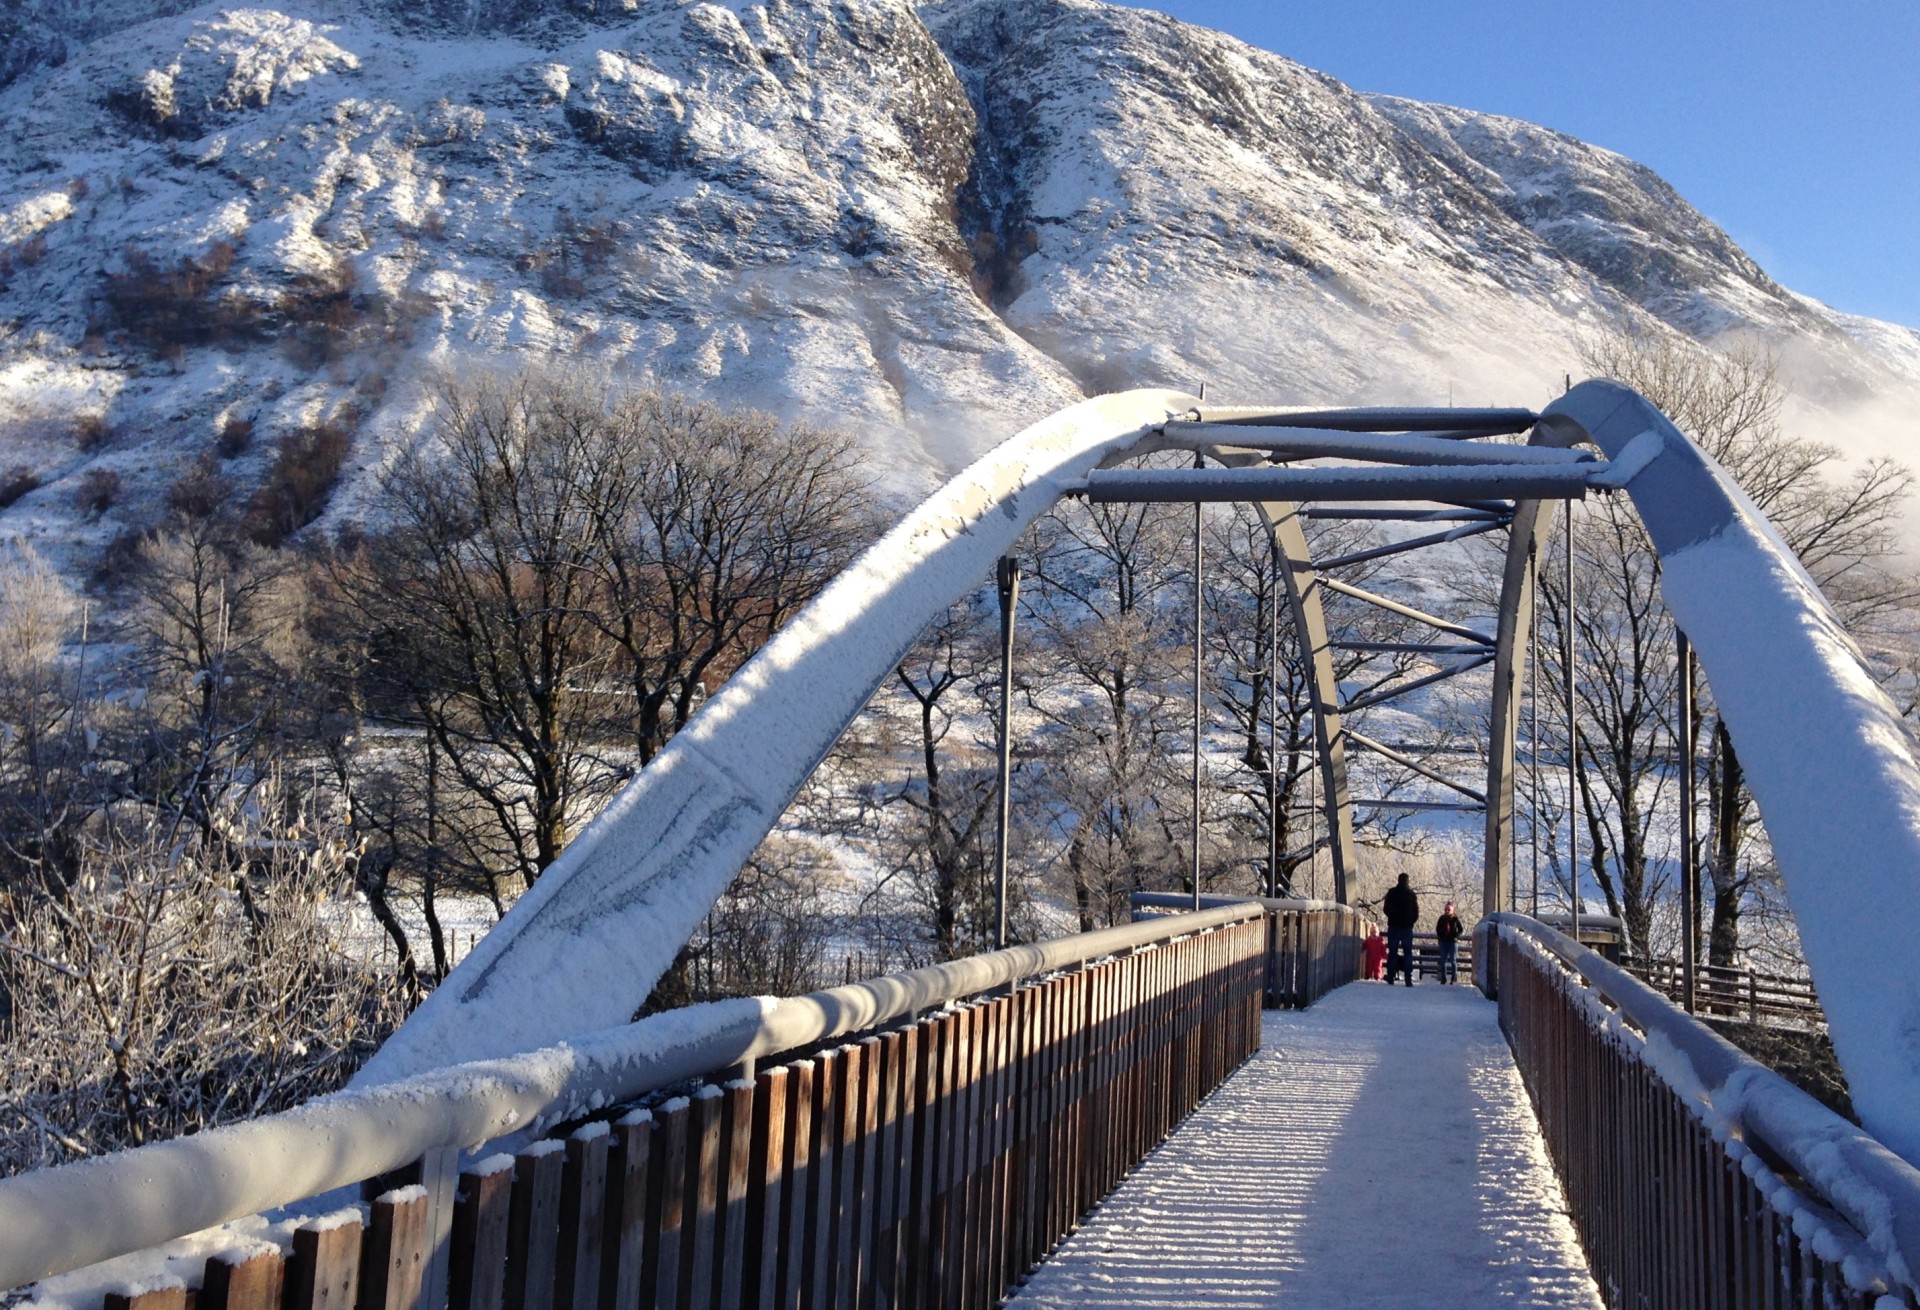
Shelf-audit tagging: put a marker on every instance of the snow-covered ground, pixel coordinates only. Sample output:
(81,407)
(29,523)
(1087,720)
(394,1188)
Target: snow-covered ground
(464,919)
(1380,1150)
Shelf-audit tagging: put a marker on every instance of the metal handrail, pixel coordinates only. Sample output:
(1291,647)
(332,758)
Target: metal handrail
(56,1220)
(1834,1156)
(1304,962)
(1277,904)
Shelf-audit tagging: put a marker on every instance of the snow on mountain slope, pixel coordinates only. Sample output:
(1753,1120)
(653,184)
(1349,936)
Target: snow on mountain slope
(930,224)
(1181,204)
(756,205)
(1617,220)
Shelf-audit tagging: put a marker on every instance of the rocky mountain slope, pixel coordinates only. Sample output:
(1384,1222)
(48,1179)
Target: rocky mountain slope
(929,222)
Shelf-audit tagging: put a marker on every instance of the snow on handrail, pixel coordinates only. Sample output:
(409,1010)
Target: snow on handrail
(1276,904)
(1861,1178)
(56,1220)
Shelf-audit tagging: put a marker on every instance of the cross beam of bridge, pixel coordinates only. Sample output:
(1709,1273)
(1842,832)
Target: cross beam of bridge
(1390,448)
(1477,422)
(1481,482)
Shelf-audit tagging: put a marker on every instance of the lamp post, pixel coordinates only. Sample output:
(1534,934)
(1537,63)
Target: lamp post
(1573,741)
(1199,551)
(1273,727)
(1689,858)
(1006,576)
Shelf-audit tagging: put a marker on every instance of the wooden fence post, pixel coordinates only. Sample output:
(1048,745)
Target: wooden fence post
(624,1248)
(667,1202)
(477,1264)
(324,1273)
(702,1200)
(796,1190)
(583,1218)
(393,1266)
(249,1283)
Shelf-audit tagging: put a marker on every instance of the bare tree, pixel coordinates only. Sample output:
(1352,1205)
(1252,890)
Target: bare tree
(720,526)
(768,935)
(171,951)
(568,568)
(476,609)
(945,855)
(42,737)
(1842,522)
(146,1001)
(1110,603)
(213,622)
(1625,680)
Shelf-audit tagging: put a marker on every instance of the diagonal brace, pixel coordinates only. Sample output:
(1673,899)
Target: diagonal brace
(1412,543)
(1381,697)
(1387,752)
(1406,611)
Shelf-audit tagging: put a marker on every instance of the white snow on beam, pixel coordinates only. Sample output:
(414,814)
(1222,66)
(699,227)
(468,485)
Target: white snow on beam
(1824,751)
(1833,771)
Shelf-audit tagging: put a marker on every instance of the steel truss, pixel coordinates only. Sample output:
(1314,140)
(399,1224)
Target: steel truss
(607,918)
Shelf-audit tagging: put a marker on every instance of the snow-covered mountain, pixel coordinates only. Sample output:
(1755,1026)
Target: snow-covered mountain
(929,222)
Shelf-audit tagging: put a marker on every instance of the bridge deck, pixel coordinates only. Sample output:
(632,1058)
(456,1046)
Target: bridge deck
(1380,1150)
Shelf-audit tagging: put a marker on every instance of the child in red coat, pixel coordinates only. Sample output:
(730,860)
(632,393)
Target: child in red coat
(1375,954)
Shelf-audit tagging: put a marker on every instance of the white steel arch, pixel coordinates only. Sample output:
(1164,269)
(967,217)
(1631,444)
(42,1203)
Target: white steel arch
(1824,750)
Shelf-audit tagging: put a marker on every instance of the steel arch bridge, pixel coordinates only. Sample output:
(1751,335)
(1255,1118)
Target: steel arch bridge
(1825,752)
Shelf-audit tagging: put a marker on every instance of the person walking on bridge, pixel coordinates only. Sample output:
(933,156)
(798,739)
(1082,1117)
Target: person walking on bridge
(1446,931)
(1402,909)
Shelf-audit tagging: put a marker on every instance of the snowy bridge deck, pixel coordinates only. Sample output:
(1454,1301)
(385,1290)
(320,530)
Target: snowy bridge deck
(1379,1150)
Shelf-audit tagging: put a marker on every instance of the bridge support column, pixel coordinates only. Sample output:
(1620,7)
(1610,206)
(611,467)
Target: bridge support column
(1295,559)
(1525,543)
(1310,622)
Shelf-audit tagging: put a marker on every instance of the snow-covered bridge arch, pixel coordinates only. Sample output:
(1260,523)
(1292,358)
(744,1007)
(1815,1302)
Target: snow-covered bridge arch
(1825,752)
(584,947)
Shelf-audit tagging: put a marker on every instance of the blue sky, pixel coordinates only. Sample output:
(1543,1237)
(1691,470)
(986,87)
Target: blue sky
(1795,126)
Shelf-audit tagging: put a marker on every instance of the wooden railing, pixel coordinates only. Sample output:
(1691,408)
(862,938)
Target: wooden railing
(1723,992)
(925,1162)
(1426,956)
(1312,946)
(1695,1176)
(929,1166)
(1314,949)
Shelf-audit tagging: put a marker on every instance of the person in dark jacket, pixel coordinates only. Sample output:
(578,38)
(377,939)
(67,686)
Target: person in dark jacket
(1447,930)
(1402,909)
